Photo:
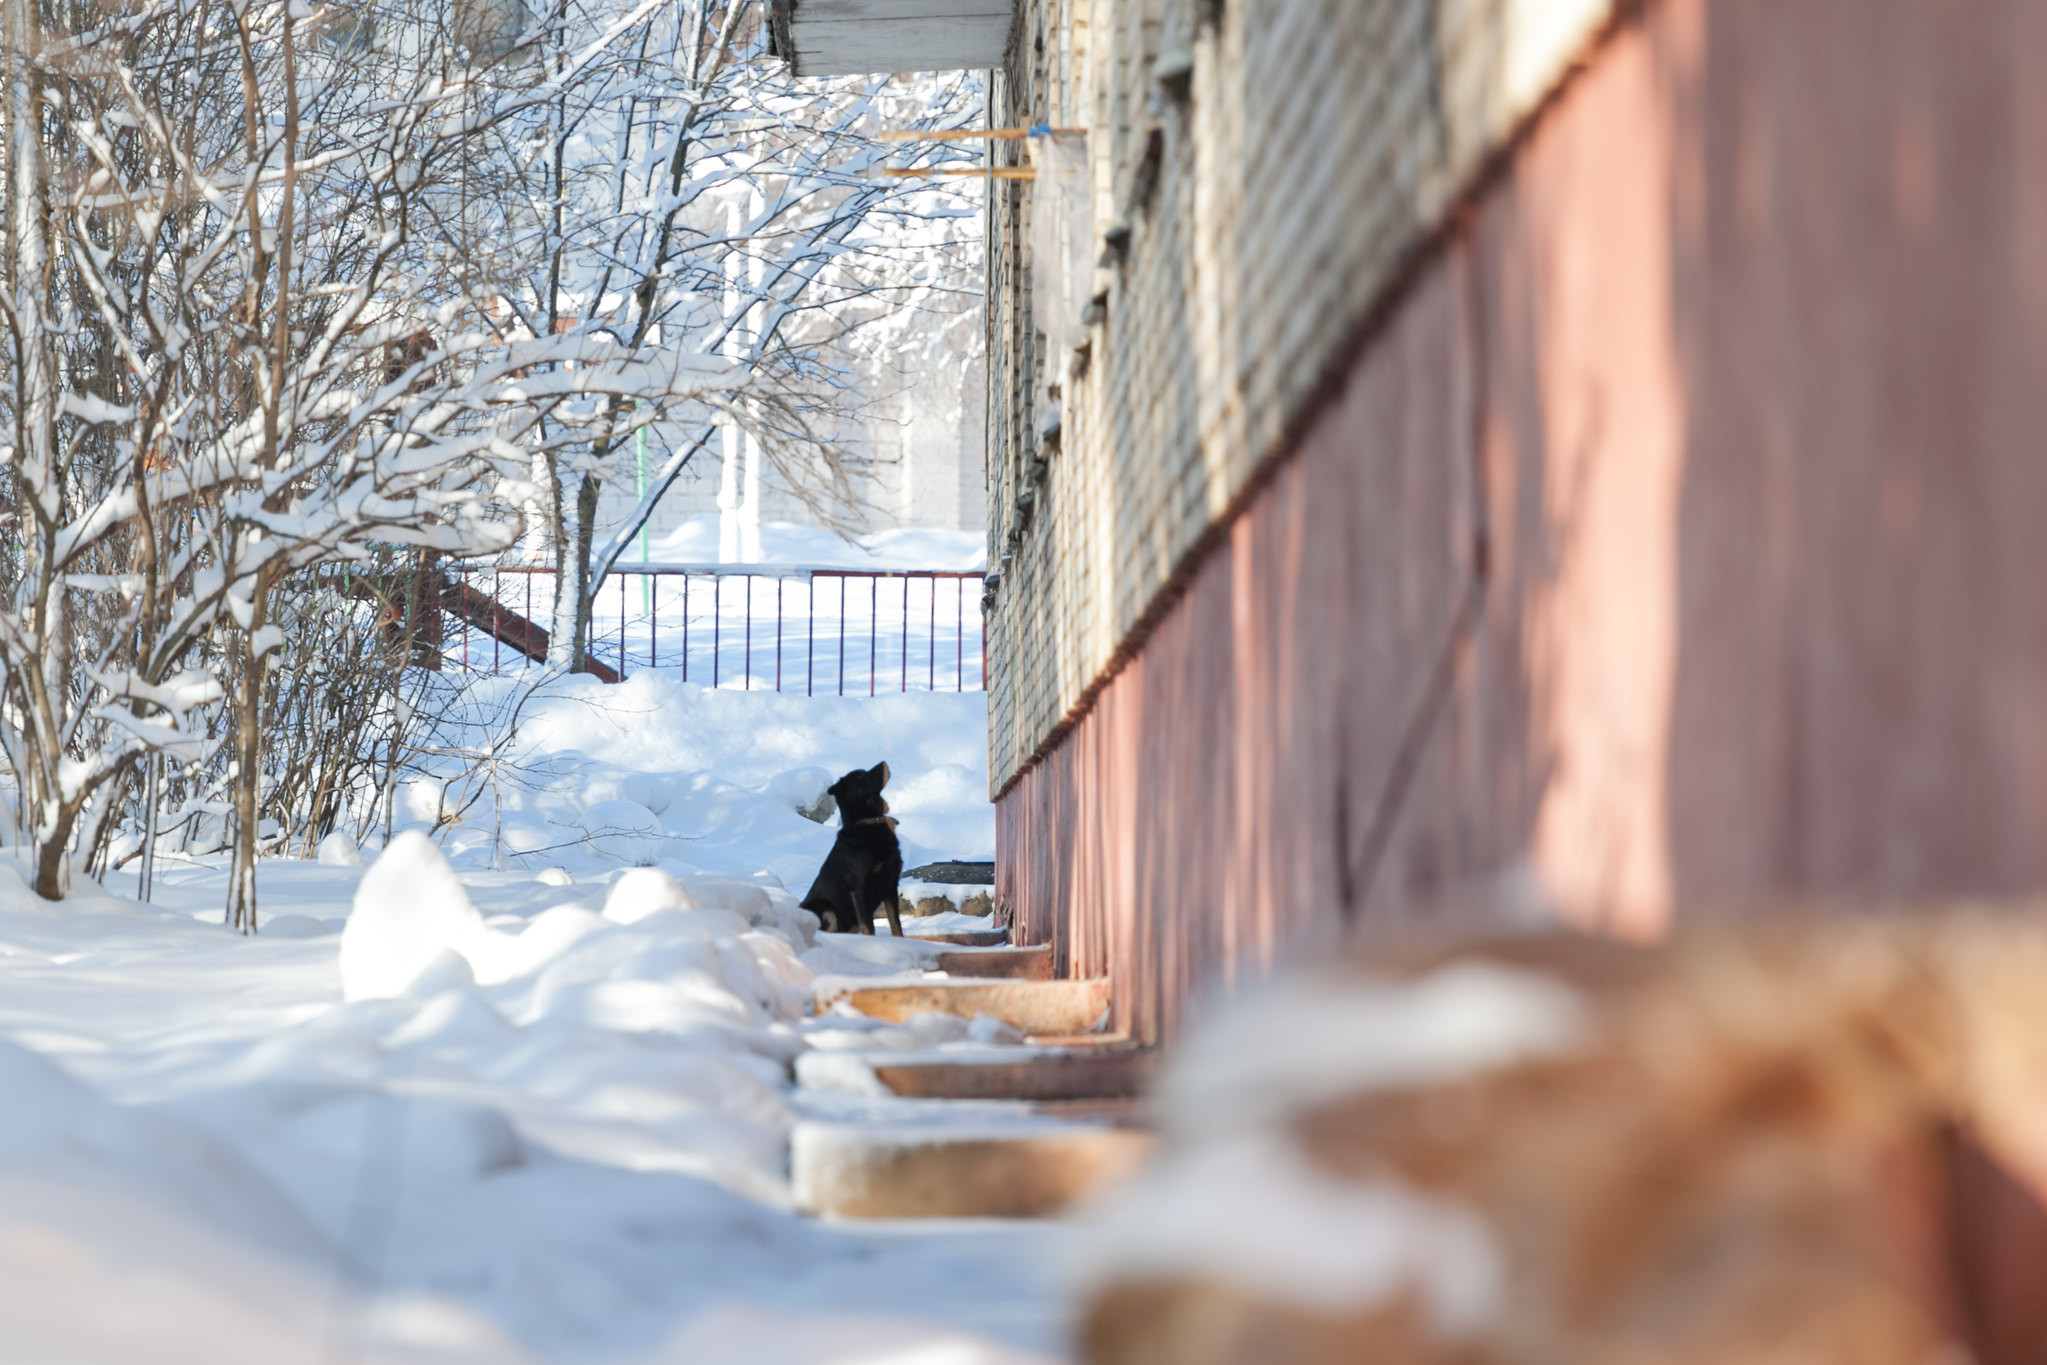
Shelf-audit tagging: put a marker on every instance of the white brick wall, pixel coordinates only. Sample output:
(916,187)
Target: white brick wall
(1322,140)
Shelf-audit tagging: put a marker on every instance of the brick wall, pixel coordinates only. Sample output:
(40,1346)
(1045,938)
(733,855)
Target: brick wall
(1269,198)
(1668,549)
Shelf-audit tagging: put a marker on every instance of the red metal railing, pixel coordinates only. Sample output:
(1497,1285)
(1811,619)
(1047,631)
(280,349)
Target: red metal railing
(693,618)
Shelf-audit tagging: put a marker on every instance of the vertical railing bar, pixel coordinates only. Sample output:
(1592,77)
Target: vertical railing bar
(654,622)
(622,612)
(779,581)
(906,633)
(810,636)
(717,605)
(873,614)
(685,625)
(749,632)
(842,635)
(931,643)
(959,635)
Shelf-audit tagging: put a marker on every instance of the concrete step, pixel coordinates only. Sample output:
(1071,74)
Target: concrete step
(1029,1007)
(1017,964)
(1135,1113)
(966,938)
(1093,1042)
(1092,1075)
(933,1171)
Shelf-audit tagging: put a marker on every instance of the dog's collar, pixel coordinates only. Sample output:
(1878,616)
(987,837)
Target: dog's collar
(876,820)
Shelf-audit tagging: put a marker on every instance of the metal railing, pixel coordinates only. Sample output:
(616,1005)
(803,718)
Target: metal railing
(776,628)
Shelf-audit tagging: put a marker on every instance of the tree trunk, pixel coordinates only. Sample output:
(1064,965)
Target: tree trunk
(248,790)
(46,818)
(561,625)
(241,905)
(152,776)
(399,714)
(584,590)
(53,862)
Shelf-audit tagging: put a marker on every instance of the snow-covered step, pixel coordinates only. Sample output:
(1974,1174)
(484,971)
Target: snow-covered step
(1030,1007)
(1019,964)
(1028,1168)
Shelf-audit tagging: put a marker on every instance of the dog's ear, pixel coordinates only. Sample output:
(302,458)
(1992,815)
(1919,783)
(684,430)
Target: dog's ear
(880,772)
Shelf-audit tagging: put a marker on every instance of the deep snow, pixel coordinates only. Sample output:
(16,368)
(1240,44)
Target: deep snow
(516,1102)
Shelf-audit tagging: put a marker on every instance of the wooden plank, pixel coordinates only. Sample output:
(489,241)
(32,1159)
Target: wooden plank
(494,619)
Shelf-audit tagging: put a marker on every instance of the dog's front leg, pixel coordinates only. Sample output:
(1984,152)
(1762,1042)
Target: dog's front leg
(846,912)
(856,904)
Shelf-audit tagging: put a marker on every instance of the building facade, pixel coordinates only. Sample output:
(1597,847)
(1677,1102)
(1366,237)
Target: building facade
(1455,460)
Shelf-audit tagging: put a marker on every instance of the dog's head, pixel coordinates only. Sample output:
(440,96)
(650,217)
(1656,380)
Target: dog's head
(859,793)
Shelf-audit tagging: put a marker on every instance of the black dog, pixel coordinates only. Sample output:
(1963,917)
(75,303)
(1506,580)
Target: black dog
(865,863)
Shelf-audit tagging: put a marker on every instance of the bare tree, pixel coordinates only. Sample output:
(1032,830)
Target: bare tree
(256,323)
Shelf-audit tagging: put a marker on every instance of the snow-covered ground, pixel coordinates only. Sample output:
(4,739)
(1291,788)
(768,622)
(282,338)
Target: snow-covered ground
(701,780)
(500,1097)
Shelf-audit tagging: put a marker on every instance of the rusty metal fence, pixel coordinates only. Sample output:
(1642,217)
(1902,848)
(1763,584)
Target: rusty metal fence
(820,631)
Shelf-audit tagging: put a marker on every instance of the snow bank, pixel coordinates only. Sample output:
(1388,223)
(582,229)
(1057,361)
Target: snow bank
(711,957)
(644,891)
(338,850)
(409,910)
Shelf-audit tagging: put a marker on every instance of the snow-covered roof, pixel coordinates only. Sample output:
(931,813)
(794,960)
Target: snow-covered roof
(862,37)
